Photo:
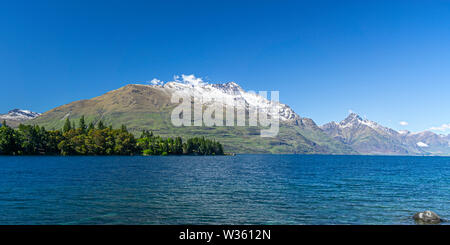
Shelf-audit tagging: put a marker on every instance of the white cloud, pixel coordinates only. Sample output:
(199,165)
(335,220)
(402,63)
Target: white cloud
(156,81)
(443,127)
(403,123)
(421,144)
(186,79)
(190,79)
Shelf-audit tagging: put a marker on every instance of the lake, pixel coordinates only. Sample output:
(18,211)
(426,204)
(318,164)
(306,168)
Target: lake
(242,189)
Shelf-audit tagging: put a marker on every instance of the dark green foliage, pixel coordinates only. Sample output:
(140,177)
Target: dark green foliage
(91,127)
(100,125)
(146,134)
(8,141)
(35,140)
(83,126)
(67,125)
(105,141)
(155,145)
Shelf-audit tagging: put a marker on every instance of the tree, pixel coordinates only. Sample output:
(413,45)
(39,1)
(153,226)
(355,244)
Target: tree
(54,137)
(100,125)
(125,143)
(8,141)
(67,125)
(123,128)
(34,140)
(178,149)
(30,139)
(91,127)
(83,124)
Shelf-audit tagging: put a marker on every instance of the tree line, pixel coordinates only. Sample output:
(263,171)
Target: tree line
(97,139)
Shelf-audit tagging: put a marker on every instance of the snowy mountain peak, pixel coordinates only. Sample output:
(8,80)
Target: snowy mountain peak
(352,118)
(19,115)
(354,122)
(229,93)
(229,88)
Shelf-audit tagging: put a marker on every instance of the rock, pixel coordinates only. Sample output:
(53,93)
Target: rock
(427,217)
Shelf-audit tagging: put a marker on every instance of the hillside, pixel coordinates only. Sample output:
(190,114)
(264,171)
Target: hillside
(148,107)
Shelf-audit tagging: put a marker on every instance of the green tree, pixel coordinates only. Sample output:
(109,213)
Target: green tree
(34,140)
(82,126)
(125,143)
(123,128)
(67,125)
(91,127)
(9,144)
(101,125)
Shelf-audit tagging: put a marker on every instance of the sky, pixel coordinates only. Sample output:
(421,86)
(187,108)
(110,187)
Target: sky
(388,61)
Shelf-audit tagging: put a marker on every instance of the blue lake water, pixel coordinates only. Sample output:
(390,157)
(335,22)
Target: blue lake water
(243,189)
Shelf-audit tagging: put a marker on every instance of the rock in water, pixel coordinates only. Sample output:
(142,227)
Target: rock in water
(427,217)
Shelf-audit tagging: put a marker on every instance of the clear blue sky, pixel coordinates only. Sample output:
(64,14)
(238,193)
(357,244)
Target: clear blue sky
(386,60)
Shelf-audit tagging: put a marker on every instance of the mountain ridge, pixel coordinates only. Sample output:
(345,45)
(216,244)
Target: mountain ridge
(16,116)
(369,137)
(148,107)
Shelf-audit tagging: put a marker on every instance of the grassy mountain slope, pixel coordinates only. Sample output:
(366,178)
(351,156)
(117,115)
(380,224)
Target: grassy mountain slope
(148,107)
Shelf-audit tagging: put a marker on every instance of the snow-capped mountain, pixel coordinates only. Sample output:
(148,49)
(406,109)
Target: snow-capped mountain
(149,107)
(429,141)
(363,135)
(19,115)
(229,93)
(369,137)
(354,120)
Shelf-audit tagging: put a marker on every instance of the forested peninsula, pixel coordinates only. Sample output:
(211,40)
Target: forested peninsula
(97,140)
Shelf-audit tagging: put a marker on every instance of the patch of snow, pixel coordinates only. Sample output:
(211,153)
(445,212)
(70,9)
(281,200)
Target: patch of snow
(421,144)
(19,115)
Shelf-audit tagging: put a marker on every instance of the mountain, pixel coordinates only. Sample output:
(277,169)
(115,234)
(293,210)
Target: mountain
(430,142)
(149,107)
(368,137)
(17,116)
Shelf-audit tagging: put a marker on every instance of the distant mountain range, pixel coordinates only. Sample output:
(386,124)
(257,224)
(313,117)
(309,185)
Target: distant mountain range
(368,137)
(148,107)
(17,116)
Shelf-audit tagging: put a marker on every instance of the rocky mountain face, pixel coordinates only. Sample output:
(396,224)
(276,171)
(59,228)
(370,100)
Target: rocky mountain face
(429,142)
(231,93)
(149,107)
(17,116)
(368,137)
